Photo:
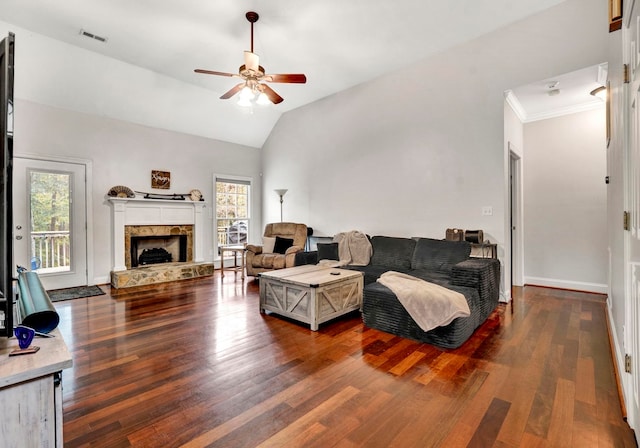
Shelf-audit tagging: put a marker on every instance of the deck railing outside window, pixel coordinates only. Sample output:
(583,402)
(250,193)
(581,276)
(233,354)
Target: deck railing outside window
(223,238)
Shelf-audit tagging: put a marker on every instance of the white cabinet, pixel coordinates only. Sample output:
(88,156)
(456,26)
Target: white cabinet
(31,393)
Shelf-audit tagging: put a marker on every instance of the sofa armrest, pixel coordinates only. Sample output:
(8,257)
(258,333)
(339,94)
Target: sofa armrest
(482,274)
(294,249)
(290,255)
(255,249)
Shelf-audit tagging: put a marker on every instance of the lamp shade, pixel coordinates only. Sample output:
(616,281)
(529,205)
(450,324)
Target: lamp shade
(281,191)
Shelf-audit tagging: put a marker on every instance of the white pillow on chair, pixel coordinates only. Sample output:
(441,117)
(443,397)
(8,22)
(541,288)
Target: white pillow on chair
(268,243)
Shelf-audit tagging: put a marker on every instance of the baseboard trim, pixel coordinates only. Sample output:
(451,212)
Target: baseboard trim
(567,284)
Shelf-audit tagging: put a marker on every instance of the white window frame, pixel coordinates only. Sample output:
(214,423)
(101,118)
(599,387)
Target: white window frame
(231,179)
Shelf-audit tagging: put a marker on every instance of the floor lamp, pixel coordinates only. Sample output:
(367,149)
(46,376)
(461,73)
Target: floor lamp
(281,192)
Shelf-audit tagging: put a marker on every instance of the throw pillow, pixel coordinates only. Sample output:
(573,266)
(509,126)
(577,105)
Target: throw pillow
(328,251)
(282,244)
(268,244)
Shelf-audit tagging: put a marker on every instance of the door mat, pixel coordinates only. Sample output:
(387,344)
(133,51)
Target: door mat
(57,295)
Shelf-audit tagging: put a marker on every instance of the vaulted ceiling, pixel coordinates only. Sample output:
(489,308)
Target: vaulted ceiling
(337,44)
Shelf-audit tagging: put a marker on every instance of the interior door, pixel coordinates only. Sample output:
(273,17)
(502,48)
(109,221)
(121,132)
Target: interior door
(632,236)
(632,324)
(49,217)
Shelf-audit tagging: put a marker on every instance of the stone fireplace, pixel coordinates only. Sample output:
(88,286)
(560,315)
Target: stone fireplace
(172,225)
(176,240)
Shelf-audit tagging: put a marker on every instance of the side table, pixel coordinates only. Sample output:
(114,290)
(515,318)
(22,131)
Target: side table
(484,250)
(237,249)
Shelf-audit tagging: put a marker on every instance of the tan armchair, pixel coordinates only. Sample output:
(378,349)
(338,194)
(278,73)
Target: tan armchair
(258,262)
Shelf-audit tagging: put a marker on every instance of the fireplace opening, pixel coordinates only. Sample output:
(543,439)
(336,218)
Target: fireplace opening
(155,249)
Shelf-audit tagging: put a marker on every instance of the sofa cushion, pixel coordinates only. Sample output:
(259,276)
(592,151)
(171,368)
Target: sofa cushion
(372,272)
(439,255)
(282,244)
(328,251)
(439,278)
(392,252)
(269,261)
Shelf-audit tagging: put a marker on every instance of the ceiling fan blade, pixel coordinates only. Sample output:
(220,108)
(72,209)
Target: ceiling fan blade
(232,92)
(271,94)
(211,72)
(298,78)
(251,61)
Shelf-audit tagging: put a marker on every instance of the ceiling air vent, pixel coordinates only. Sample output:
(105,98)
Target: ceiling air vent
(86,33)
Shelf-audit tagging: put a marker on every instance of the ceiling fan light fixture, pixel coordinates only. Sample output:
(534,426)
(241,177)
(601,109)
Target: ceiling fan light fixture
(263,100)
(244,102)
(247,93)
(254,90)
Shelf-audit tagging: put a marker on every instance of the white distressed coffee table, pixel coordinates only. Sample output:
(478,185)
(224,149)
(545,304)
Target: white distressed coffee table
(311,294)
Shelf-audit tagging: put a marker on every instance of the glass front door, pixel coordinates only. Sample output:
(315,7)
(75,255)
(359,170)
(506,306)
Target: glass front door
(50,221)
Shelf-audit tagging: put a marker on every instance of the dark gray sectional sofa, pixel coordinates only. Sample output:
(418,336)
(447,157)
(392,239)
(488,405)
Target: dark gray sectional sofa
(446,263)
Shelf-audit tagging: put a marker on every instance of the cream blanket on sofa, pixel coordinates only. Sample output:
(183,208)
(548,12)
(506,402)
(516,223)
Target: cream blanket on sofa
(354,248)
(430,305)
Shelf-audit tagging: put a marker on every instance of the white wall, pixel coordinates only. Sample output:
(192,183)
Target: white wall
(422,149)
(565,216)
(124,154)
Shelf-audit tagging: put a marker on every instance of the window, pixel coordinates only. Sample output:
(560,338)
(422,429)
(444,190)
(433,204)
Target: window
(232,210)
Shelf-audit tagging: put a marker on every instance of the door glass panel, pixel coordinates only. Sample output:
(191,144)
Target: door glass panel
(50,221)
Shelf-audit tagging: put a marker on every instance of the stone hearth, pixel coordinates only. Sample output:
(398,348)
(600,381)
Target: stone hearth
(159,273)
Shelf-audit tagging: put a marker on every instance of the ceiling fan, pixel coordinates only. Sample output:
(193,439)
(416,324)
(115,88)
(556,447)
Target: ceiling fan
(254,77)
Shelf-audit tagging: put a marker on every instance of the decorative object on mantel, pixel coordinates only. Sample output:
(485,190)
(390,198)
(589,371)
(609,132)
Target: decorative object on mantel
(171,196)
(160,179)
(196,195)
(120,191)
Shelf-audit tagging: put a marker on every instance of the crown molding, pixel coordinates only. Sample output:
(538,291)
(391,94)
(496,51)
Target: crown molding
(515,105)
(565,111)
(524,117)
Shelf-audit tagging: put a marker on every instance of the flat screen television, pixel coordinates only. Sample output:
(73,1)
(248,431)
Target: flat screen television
(7,51)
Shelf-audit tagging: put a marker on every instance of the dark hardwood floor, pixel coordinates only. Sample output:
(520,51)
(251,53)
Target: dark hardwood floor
(195,364)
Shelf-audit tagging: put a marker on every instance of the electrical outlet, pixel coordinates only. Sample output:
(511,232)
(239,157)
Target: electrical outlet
(487,210)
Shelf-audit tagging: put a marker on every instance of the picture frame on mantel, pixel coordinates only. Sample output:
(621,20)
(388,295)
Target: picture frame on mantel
(160,179)
(615,15)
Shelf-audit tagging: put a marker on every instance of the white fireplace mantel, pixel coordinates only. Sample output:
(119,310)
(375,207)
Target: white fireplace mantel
(149,212)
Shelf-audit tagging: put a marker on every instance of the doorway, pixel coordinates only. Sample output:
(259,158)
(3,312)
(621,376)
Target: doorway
(50,220)
(516,216)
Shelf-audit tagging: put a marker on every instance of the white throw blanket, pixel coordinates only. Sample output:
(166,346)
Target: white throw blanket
(430,305)
(354,248)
